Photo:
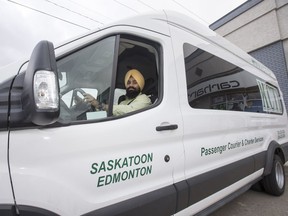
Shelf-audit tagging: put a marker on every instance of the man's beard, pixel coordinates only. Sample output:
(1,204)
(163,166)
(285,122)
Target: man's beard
(132,93)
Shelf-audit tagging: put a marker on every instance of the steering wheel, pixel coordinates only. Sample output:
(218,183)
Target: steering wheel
(78,111)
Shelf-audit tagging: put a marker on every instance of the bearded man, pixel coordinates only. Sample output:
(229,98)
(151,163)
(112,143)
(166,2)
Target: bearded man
(134,99)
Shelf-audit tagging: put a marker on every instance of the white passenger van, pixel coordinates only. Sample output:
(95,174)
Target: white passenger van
(217,124)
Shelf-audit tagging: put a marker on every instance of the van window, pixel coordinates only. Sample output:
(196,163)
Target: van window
(213,83)
(99,70)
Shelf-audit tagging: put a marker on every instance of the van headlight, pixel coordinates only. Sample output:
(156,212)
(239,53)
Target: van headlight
(45,90)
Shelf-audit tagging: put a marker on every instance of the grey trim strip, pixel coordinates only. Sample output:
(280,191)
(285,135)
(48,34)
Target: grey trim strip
(9,210)
(226,200)
(209,183)
(34,211)
(172,199)
(182,195)
(159,202)
(260,160)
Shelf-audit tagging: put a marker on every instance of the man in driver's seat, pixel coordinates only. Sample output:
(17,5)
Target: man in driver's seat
(134,99)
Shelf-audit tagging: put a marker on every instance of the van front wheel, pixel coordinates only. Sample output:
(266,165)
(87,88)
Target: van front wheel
(274,183)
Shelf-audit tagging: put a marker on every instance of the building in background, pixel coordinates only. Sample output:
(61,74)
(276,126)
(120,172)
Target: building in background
(260,28)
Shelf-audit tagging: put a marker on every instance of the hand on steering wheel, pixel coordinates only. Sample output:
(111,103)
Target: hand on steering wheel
(80,107)
(90,99)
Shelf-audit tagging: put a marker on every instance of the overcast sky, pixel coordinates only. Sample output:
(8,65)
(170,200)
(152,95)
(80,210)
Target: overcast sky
(25,22)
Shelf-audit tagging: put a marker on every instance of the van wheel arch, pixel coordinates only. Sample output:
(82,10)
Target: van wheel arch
(273,149)
(274,183)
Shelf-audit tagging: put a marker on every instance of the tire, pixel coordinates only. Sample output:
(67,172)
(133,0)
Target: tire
(274,183)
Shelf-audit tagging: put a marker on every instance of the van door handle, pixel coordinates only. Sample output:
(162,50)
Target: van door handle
(167,127)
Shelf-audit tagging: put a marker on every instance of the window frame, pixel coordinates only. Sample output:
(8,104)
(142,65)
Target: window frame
(217,75)
(135,38)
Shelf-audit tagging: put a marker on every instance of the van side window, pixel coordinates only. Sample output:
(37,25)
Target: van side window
(213,83)
(99,70)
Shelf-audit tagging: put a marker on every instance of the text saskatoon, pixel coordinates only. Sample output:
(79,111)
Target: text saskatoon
(138,165)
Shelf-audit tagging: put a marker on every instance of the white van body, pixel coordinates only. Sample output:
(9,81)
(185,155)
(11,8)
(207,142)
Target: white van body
(218,125)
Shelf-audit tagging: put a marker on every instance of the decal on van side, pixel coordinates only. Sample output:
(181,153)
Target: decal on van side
(211,88)
(142,162)
(230,146)
(270,97)
(281,134)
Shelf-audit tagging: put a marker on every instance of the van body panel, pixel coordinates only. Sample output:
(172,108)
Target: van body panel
(81,162)
(212,130)
(6,195)
(201,206)
(196,29)
(157,24)
(222,147)
(11,70)
(67,167)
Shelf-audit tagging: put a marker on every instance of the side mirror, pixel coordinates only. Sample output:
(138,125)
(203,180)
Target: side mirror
(40,87)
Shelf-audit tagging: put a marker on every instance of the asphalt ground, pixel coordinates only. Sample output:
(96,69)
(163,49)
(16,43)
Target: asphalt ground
(253,203)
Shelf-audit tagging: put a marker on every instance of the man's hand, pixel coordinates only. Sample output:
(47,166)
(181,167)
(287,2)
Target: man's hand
(90,99)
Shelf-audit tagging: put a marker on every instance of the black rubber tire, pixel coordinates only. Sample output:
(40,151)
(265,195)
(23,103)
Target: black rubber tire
(274,183)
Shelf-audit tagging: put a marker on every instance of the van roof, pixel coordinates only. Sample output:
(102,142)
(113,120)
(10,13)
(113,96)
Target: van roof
(189,24)
(157,22)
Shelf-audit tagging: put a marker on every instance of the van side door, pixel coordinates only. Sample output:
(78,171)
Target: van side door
(91,161)
(6,193)
(224,138)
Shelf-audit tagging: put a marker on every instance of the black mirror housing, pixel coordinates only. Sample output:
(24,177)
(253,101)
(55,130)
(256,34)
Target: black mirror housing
(42,64)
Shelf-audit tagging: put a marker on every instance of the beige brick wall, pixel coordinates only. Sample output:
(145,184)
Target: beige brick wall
(261,25)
